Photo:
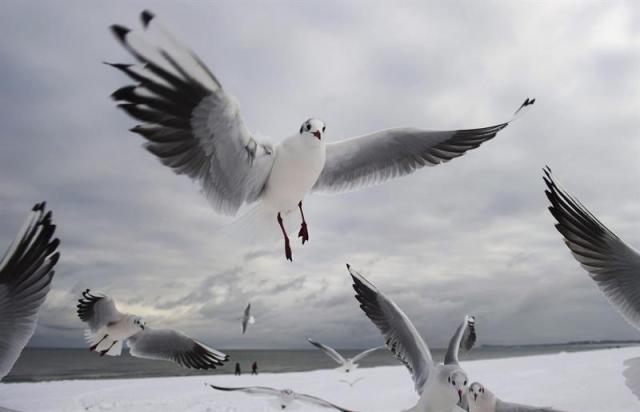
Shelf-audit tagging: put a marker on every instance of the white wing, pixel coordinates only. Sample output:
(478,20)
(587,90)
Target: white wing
(251,390)
(462,341)
(502,406)
(400,336)
(612,264)
(313,400)
(375,158)
(171,345)
(190,123)
(26,271)
(329,351)
(362,354)
(632,375)
(97,310)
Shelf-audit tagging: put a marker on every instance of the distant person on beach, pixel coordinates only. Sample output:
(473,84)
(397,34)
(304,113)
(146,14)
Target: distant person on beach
(238,372)
(254,368)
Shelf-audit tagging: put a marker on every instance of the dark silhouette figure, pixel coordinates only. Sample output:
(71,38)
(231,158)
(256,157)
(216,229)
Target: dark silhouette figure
(238,372)
(254,368)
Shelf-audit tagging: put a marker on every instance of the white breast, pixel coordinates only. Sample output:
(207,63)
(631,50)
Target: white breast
(298,164)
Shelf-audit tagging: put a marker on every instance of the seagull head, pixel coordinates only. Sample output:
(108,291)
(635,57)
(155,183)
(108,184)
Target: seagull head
(139,322)
(458,381)
(476,390)
(314,128)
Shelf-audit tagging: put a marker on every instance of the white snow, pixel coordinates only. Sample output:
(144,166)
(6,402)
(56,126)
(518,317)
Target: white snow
(582,382)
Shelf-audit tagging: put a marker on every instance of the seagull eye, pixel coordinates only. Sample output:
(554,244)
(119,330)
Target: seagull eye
(308,126)
(324,128)
(465,383)
(453,383)
(449,378)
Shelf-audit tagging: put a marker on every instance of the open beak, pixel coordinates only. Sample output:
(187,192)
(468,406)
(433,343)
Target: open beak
(317,134)
(460,395)
(475,396)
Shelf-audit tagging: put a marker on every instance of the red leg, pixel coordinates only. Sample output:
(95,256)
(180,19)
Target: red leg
(104,352)
(96,345)
(303,233)
(287,247)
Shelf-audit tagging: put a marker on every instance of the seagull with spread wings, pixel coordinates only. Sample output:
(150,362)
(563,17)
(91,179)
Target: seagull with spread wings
(441,386)
(194,127)
(247,319)
(346,364)
(284,398)
(612,264)
(109,329)
(26,271)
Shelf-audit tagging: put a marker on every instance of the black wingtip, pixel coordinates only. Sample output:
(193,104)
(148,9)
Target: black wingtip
(146,17)
(120,32)
(348,267)
(54,258)
(39,206)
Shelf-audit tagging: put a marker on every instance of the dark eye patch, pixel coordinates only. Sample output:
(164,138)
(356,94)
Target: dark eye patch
(308,126)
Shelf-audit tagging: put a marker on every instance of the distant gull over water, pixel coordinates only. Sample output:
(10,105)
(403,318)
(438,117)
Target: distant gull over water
(481,399)
(346,365)
(285,398)
(194,127)
(247,319)
(26,271)
(612,264)
(110,328)
(441,386)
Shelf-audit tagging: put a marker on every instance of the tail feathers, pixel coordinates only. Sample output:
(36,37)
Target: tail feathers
(116,350)
(259,224)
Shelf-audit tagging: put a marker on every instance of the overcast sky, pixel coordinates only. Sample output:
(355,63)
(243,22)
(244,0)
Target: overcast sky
(471,236)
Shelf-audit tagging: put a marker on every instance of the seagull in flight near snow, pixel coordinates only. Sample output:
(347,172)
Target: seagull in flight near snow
(285,398)
(613,264)
(26,271)
(109,328)
(441,386)
(194,126)
(345,364)
(247,319)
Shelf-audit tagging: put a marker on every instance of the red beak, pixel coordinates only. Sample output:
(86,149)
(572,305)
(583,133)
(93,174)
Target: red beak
(317,134)
(460,395)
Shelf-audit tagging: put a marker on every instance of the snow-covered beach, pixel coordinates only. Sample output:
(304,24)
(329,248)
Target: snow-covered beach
(588,381)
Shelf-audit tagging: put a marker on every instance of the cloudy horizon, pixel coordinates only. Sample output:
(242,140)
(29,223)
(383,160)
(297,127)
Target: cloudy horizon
(470,236)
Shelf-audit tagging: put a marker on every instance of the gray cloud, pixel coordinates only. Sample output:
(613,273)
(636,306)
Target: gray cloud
(472,236)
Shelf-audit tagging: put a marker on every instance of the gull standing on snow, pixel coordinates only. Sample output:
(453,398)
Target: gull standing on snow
(481,399)
(345,364)
(194,126)
(285,398)
(247,319)
(26,271)
(441,387)
(109,329)
(611,263)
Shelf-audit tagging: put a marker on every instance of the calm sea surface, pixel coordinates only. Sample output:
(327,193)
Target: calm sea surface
(38,364)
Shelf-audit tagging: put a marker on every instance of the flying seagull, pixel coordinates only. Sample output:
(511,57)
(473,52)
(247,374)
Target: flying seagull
(285,398)
(26,271)
(345,364)
(194,127)
(611,263)
(440,386)
(481,399)
(109,329)
(352,384)
(247,319)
